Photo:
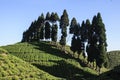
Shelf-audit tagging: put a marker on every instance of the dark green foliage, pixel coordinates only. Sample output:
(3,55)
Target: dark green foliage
(34,31)
(64,22)
(74,44)
(48,16)
(111,75)
(30,35)
(63,41)
(42,32)
(41,28)
(64,32)
(96,36)
(72,25)
(87,25)
(41,19)
(113,59)
(100,60)
(77,30)
(79,46)
(54,17)
(92,51)
(100,31)
(83,29)
(54,33)
(47,30)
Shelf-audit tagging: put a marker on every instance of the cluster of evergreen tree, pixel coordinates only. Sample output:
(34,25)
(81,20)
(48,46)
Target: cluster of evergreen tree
(47,28)
(93,34)
(42,29)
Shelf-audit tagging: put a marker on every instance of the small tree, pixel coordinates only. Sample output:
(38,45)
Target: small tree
(74,45)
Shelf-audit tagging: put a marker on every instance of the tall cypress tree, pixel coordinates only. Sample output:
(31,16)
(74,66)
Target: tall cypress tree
(102,44)
(54,17)
(47,16)
(87,26)
(42,35)
(72,25)
(32,30)
(92,47)
(47,30)
(76,43)
(64,22)
(54,33)
(39,30)
(97,44)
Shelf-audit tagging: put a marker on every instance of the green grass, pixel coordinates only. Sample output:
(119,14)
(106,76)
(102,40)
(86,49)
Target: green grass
(51,59)
(13,68)
(3,51)
(113,74)
(113,59)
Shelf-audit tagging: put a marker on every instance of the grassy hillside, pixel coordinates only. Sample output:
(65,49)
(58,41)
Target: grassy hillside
(47,57)
(13,68)
(113,74)
(113,59)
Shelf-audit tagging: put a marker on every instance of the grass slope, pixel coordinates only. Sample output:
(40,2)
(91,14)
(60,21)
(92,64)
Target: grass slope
(13,68)
(113,59)
(113,74)
(52,60)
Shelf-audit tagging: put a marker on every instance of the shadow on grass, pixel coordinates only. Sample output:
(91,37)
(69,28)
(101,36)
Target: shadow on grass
(62,69)
(67,71)
(51,49)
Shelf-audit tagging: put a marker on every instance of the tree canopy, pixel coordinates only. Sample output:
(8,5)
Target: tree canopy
(91,33)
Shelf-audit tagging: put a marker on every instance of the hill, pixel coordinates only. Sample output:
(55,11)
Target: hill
(49,58)
(113,59)
(113,65)
(13,68)
(111,75)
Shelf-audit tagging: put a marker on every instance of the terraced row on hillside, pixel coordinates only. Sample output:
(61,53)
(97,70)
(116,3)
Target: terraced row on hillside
(13,68)
(48,58)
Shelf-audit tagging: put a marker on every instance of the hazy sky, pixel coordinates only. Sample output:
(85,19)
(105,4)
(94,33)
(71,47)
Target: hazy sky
(17,15)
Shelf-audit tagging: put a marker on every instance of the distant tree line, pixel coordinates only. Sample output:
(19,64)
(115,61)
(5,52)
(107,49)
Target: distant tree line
(90,33)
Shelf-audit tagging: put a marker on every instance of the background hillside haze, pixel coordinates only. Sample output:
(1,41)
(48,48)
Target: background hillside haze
(17,15)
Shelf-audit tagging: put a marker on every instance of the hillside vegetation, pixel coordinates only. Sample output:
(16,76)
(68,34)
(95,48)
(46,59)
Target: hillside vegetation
(113,74)
(13,68)
(50,59)
(113,65)
(113,59)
